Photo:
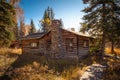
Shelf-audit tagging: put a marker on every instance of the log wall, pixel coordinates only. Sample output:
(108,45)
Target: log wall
(41,48)
(44,45)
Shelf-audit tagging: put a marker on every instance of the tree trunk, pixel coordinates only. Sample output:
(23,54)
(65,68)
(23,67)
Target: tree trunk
(103,28)
(112,47)
(103,44)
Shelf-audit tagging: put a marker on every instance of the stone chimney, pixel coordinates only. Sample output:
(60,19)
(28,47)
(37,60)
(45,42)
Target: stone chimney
(56,39)
(72,29)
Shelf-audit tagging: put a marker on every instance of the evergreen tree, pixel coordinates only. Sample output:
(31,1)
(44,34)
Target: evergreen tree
(45,22)
(50,13)
(99,13)
(18,17)
(113,32)
(61,25)
(7,23)
(22,28)
(16,32)
(32,30)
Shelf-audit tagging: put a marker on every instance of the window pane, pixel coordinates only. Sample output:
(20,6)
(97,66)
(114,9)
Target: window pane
(85,43)
(69,44)
(34,44)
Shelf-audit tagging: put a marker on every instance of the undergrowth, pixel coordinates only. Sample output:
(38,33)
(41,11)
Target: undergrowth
(35,67)
(113,70)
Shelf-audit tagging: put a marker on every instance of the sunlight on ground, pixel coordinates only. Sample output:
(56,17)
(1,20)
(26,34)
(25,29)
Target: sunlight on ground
(108,50)
(8,57)
(8,50)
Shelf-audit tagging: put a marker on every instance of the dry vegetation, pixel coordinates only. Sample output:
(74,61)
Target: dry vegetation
(17,66)
(7,57)
(113,70)
(117,50)
(4,51)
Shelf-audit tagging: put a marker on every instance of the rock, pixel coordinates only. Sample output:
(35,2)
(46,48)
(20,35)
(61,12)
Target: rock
(94,72)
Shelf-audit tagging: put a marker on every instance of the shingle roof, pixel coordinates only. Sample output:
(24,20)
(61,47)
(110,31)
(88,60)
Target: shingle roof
(34,36)
(40,35)
(77,33)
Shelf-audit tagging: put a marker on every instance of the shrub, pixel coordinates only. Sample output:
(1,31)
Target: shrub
(94,50)
(33,71)
(62,64)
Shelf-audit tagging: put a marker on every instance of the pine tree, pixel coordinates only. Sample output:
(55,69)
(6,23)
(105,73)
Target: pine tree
(18,17)
(7,23)
(114,22)
(97,19)
(47,18)
(33,29)
(51,13)
(61,25)
(22,28)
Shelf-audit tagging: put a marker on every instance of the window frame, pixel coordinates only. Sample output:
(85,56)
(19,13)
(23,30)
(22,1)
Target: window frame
(68,42)
(36,45)
(85,43)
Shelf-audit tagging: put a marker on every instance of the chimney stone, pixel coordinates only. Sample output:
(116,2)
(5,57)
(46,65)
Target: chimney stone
(56,39)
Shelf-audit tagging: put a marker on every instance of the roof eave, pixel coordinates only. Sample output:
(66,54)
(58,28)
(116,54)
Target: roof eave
(35,37)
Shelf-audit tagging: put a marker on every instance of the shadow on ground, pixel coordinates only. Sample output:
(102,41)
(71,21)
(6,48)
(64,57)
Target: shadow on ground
(57,65)
(28,58)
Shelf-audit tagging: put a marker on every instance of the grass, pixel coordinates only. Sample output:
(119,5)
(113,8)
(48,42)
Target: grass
(51,68)
(7,57)
(9,51)
(33,71)
(27,66)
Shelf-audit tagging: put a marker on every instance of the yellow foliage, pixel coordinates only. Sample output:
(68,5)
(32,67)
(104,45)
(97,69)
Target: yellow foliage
(47,21)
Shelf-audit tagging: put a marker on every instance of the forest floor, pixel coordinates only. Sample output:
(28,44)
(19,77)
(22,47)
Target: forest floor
(116,50)
(17,66)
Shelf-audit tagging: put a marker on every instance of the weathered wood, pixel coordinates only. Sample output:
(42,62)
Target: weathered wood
(55,42)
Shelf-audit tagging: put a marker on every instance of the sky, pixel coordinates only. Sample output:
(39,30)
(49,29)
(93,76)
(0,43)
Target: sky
(67,10)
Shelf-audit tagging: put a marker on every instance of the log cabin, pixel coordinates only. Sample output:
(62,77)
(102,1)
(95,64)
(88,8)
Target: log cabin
(57,42)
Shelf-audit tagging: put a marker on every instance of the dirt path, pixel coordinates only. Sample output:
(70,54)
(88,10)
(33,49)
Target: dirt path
(94,72)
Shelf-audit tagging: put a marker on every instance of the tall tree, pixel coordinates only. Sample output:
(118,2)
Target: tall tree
(48,16)
(33,29)
(15,4)
(7,23)
(98,16)
(18,17)
(22,28)
(113,33)
(19,11)
(62,24)
(114,21)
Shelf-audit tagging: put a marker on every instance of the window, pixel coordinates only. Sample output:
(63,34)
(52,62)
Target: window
(34,44)
(85,43)
(69,44)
